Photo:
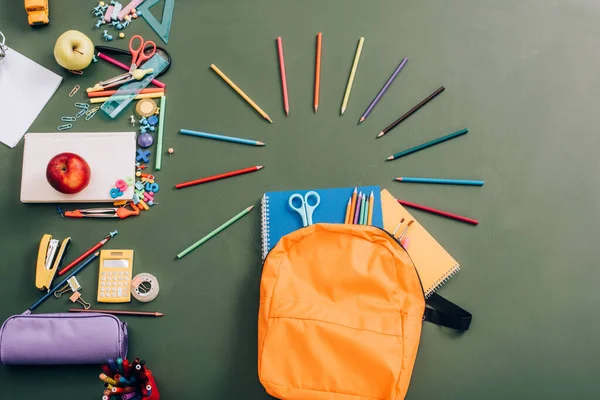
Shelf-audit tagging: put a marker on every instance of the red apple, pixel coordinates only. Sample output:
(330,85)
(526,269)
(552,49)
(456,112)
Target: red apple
(68,173)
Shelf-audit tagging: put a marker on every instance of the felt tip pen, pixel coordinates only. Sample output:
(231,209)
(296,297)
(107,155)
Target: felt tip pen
(112,365)
(108,379)
(126,368)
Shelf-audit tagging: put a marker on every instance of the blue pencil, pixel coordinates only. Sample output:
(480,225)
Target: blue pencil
(440,181)
(221,137)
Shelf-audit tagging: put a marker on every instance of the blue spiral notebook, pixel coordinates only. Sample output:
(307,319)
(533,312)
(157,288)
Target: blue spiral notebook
(278,219)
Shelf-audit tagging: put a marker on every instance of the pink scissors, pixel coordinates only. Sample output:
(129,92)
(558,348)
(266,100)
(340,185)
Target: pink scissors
(142,53)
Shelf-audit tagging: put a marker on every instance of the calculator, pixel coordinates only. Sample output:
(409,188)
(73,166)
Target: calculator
(114,278)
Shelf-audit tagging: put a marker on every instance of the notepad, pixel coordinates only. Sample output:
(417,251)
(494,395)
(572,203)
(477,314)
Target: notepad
(278,219)
(110,155)
(25,88)
(434,265)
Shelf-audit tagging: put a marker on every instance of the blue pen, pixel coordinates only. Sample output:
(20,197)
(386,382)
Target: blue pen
(439,181)
(64,281)
(221,137)
(112,365)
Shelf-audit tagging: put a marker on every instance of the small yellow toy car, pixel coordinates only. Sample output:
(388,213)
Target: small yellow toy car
(37,11)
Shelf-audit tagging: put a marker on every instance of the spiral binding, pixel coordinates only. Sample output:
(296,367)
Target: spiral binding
(265,226)
(440,282)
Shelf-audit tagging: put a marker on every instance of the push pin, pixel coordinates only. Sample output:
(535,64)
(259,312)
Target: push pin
(101,4)
(106,36)
(94,59)
(121,35)
(100,22)
(125,24)
(170,151)
(60,211)
(132,120)
(71,286)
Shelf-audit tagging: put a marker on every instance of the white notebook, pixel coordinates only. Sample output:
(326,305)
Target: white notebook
(110,155)
(25,88)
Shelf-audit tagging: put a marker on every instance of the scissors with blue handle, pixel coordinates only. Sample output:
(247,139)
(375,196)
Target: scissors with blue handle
(306,209)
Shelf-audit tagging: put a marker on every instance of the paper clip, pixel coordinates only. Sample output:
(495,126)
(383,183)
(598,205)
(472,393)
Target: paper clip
(76,72)
(71,286)
(90,116)
(65,127)
(68,119)
(75,89)
(82,105)
(92,111)
(76,298)
(80,113)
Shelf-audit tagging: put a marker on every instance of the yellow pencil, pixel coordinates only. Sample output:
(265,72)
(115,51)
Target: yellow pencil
(95,100)
(370,217)
(241,92)
(348,211)
(352,207)
(352,74)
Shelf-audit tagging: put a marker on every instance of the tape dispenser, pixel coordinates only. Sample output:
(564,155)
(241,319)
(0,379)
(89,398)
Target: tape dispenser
(51,254)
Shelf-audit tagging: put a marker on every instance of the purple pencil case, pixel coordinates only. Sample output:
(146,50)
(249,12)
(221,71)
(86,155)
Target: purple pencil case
(64,338)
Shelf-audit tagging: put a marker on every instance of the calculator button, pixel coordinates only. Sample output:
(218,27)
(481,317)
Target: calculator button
(120,278)
(114,295)
(102,289)
(120,292)
(101,294)
(104,273)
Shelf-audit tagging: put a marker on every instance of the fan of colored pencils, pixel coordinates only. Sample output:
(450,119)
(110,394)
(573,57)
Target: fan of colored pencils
(360,208)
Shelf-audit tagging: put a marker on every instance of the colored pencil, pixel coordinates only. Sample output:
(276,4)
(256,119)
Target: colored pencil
(240,92)
(438,212)
(105,93)
(217,177)
(383,90)
(95,100)
(118,312)
(348,207)
(361,41)
(221,137)
(45,297)
(87,253)
(318,71)
(428,144)
(353,207)
(161,133)
(119,64)
(440,181)
(411,111)
(370,218)
(215,232)
(286,101)
(363,210)
(357,210)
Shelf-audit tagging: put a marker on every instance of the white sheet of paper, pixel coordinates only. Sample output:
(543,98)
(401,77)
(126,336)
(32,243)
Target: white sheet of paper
(25,88)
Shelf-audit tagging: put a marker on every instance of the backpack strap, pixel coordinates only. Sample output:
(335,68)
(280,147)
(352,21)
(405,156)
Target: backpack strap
(445,313)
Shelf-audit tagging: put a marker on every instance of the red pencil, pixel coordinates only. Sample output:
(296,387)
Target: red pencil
(217,177)
(286,102)
(439,212)
(318,71)
(87,253)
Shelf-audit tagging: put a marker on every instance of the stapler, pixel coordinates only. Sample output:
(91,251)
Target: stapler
(49,260)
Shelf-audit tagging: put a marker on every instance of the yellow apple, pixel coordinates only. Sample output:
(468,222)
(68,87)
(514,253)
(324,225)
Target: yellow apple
(73,50)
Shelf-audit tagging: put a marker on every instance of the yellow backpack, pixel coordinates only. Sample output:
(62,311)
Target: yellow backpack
(341,310)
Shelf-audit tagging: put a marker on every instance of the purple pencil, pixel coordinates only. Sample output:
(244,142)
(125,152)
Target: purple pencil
(383,90)
(358,203)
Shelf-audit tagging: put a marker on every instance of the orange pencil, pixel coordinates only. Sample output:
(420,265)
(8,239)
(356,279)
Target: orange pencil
(105,93)
(286,102)
(318,71)
(352,206)
(348,211)
(370,216)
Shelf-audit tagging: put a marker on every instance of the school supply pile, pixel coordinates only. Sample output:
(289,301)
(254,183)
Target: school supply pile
(360,209)
(115,15)
(128,380)
(348,294)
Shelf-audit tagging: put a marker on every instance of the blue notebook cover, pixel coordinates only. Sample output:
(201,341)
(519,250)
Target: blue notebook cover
(278,219)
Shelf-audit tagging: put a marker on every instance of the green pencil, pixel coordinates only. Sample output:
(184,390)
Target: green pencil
(362,210)
(215,232)
(161,130)
(366,216)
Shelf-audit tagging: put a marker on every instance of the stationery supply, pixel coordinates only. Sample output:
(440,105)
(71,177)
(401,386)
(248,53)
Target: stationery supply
(108,93)
(215,232)
(118,312)
(305,209)
(95,148)
(411,111)
(428,144)
(278,219)
(241,93)
(110,212)
(87,253)
(221,137)
(439,212)
(144,287)
(162,28)
(383,90)
(358,207)
(352,74)
(434,264)
(25,88)
(97,100)
(217,177)
(318,71)
(103,49)
(439,181)
(64,281)
(51,254)
(114,276)
(128,380)
(72,285)
(161,133)
(284,89)
(59,339)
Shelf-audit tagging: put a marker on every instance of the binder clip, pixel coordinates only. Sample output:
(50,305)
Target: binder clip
(76,298)
(49,259)
(71,286)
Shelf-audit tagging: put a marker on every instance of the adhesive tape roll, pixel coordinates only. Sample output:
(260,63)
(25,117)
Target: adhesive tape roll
(144,287)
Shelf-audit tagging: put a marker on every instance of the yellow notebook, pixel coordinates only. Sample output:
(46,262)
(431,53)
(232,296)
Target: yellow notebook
(434,265)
